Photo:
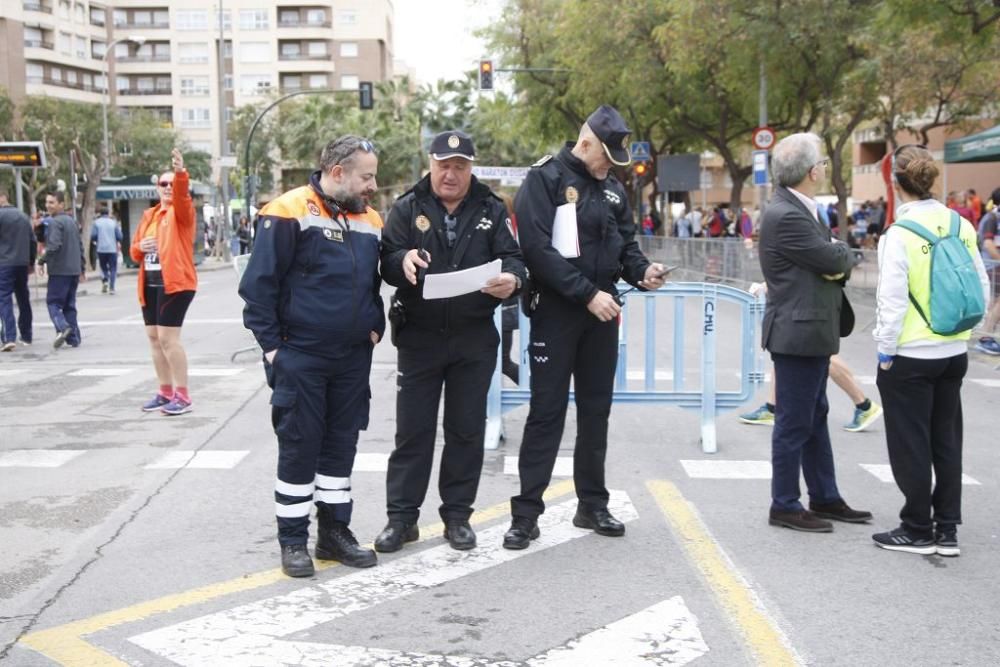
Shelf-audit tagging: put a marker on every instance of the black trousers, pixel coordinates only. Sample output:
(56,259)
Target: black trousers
(462,363)
(923,430)
(567,341)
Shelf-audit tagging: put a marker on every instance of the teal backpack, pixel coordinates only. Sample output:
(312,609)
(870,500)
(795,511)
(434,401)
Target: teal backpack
(956,303)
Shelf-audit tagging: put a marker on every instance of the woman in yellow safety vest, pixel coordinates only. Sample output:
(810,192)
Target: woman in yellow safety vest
(920,372)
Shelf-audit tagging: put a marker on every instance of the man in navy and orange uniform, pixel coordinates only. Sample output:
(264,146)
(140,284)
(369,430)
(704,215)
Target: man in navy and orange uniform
(311,289)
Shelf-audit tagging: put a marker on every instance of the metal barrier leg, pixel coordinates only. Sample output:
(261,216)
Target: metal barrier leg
(708,408)
(494,407)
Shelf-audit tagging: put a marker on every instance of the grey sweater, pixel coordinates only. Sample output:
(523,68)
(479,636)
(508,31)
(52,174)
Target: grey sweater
(63,247)
(17,240)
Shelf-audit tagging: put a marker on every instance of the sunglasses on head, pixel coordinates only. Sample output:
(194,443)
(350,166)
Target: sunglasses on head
(367,146)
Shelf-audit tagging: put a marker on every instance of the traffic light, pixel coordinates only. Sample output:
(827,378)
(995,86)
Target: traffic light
(365,94)
(640,169)
(485,75)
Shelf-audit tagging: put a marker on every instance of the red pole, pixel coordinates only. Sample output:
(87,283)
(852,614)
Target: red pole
(890,196)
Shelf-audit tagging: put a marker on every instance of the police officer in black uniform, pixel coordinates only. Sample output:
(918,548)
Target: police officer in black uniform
(447,222)
(574,318)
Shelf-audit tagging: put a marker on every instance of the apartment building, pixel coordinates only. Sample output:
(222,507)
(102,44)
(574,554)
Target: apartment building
(165,58)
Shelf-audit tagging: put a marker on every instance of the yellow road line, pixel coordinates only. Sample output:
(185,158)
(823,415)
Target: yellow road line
(65,644)
(764,638)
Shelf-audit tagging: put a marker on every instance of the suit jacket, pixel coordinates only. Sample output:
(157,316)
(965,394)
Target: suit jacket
(804,310)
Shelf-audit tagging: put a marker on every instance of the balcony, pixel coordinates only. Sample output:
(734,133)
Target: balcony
(39,44)
(305,56)
(30,6)
(145,91)
(129,25)
(155,58)
(302,23)
(49,81)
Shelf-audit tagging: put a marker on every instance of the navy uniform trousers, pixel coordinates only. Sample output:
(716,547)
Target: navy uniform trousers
(463,362)
(317,408)
(566,340)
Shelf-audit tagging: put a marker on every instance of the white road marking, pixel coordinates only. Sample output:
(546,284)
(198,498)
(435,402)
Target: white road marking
(711,469)
(9,372)
(100,372)
(253,633)
(38,458)
(986,382)
(371,462)
(204,459)
(883,472)
(563,467)
(214,372)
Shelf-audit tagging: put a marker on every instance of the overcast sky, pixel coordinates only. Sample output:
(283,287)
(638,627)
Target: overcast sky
(435,37)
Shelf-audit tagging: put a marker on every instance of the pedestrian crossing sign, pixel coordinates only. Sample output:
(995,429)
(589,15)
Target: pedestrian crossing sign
(639,151)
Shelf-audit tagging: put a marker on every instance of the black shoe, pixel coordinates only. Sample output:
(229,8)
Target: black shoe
(802,520)
(900,539)
(839,511)
(337,542)
(946,540)
(600,521)
(459,534)
(295,561)
(394,535)
(61,337)
(520,533)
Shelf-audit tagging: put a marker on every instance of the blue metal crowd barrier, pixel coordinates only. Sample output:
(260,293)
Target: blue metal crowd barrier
(707,399)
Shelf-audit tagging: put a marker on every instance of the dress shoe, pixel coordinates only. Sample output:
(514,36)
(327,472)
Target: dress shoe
(839,511)
(520,533)
(394,535)
(295,561)
(802,520)
(459,535)
(337,542)
(600,521)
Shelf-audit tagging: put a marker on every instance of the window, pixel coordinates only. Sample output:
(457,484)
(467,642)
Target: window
(292,82)
(55,74)
(347,17)
(161,51)
(32,36)
(200,146)
(255,52)
(192,52)
(315,17)
(71,76)
(349,82)
(34,72)
(81,13)
(142,17)
(317,49)
(119,17)
(226,18)
(230,114)
(122,83)
(65,43)
(227,49)
(318,81)
(349,50)
(145,83)
(227,81)
(192,19)
(194,86)
(255,84)
(64,9)
(100,81)
(161,17)
(98,48)
(81,46)
(288,17)
(195,118)
(291,49)
(97,16)
(163,84)
(253,19)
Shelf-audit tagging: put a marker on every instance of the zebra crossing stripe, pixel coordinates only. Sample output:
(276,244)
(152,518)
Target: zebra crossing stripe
(204,459)
(883,472)
(706,469)
(100,372)
(38,458)
(563,468)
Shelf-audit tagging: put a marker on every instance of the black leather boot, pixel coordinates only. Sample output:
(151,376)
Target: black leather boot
(335,541)
(520,533)
(598,520)
(295,561)
(394,535)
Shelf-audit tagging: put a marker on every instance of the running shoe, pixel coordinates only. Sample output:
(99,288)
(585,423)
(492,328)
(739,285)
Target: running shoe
(155,403)
(761,416)
(864,418)
(988,345)
(177,406)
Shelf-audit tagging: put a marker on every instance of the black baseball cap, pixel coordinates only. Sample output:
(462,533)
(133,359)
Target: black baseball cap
(453,143)
(610,128)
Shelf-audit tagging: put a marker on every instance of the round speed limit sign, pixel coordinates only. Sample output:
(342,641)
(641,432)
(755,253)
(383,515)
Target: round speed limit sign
(763,138)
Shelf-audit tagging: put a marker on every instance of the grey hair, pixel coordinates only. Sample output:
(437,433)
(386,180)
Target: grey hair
(794,156)
(341,151)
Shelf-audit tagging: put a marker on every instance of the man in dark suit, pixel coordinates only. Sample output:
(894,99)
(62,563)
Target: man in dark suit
(806,315)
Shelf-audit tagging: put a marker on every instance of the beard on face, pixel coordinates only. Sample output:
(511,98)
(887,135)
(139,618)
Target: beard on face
(350,202)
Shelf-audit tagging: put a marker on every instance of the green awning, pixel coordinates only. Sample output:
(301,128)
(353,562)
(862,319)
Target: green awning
(981,147)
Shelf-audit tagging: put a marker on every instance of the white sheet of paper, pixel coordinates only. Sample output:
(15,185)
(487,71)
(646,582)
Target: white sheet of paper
(456,283)
(565,237)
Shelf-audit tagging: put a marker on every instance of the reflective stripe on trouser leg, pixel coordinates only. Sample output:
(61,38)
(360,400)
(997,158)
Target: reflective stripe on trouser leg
(292,503)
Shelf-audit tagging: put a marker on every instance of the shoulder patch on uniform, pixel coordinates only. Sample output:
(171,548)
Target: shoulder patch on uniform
(542,160)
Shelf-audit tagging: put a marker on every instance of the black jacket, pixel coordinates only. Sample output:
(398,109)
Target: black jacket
(804,309)
(483,234)
(608,250)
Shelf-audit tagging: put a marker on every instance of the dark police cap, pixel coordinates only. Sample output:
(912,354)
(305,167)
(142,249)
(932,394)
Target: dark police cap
(610,128)
(453,143)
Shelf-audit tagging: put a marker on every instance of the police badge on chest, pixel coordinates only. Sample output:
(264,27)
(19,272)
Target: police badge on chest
(334,235)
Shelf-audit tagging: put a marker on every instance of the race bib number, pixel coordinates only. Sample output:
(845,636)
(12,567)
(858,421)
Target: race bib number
(152,262)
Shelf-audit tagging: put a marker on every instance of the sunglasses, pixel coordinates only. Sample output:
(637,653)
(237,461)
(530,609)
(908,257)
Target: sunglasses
(367,146)
(166,184)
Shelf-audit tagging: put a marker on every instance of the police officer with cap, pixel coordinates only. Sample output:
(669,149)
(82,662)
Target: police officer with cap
(447,222)
(574,317)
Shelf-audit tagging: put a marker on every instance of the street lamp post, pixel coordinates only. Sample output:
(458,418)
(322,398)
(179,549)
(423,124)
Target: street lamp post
(107,93)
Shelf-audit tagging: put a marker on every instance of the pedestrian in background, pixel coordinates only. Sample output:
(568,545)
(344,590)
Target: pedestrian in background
(311,289)
(163,245)
(243,234)
(920,372)
(17,262)
(448,221)
(807,313)
(987,343)
(66,268)
(574,326)
(107,233)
